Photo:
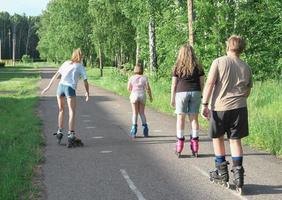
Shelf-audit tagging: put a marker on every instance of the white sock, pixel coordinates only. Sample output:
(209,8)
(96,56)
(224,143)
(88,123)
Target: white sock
(134,119)
(143,118)
(180,134)
(195,133)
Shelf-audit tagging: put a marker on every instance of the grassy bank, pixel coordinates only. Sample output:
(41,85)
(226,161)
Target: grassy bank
(265,105)
(20,134)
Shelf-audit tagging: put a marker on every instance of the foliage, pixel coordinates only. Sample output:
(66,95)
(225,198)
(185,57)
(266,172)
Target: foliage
(2,64)
(26,59)
(23,28)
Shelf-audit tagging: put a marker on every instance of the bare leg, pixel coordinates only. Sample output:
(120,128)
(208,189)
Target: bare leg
(61,104)
(193,118)
(236,148)
(134,107)
(71,106)
(180,125)
(218,146)
(141,110)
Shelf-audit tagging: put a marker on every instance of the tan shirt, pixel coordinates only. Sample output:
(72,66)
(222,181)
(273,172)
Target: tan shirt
(233,80)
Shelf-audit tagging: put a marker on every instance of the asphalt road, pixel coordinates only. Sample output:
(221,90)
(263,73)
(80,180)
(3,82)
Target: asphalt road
(112,166)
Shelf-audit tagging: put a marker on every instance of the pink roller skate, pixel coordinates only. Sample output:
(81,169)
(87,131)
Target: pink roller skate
(179,146)
(194,144)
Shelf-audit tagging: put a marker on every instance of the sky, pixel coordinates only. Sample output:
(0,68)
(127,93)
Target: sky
(29,7)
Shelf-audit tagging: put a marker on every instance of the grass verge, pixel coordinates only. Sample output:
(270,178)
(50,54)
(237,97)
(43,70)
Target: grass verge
(20,134)
(264,107)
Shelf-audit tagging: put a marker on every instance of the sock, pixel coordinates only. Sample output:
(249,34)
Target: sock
(180,134)
(143,118)
(219,159)
(71,134)
(195,133)
(134,119)
(237,161)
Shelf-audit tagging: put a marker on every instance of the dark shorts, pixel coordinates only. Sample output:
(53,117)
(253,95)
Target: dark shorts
(65,90)
(233,122)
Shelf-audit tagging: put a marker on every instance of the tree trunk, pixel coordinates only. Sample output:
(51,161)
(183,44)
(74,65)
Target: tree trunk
(100,62)
(190,21)
(152,45)
(137,50)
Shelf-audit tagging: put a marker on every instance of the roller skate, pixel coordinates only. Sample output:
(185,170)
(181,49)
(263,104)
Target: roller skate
(220,174)
(133,131)
(179,146)
(145,130)
(238,178)
(74,141)
(194,145)
(59,135)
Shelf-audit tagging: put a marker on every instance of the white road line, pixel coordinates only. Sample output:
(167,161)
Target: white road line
(131,185)
(98,137)
(157,131)
(105,151)
(90,127)
(207,175)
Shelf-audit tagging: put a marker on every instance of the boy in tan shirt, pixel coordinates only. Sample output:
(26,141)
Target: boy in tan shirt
(226,91)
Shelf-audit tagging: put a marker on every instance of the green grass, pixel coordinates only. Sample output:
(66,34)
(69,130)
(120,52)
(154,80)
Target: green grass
(20,135)
(265,106)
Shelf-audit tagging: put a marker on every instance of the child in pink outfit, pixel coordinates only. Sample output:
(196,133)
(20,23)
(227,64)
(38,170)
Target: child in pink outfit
(138,85)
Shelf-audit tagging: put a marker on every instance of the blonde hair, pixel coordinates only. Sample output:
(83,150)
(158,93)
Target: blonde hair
(76,56)
(186,61)
(138,69)
(236,44)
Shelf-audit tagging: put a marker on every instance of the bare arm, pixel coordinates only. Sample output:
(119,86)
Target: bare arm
(173,91)
(51,82)
(148,88)
(86,85)
(206,97)
(129,86)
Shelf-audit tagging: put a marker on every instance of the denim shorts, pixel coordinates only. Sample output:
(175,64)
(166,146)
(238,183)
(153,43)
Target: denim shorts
(187,102)
(65,90)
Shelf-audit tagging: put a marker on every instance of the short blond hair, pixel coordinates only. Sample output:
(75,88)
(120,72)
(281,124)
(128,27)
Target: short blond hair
(138,69)
(76,56)
(236,44)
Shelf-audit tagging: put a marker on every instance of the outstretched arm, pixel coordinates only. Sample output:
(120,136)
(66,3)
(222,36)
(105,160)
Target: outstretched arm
(51,82)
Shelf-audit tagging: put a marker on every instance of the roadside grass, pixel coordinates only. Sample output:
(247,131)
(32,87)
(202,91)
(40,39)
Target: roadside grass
(20,135)
(264,106)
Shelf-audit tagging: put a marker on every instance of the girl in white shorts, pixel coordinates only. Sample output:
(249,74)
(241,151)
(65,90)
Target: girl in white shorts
(138,85)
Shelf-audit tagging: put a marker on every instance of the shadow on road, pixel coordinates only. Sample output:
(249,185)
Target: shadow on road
(253,189)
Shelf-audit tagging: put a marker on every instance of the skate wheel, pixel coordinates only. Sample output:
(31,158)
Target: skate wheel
(178,154)
(227,185)
(239,190)
(211,180)
(196,155)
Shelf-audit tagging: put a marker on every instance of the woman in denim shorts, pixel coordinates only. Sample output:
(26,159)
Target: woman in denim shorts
(70,73)
(186,90)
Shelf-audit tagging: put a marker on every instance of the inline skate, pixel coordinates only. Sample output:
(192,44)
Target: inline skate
(73,141)
(133,131)
(145,130)
(238,178)
(179,146)
(194,145)
(220,174)
(59,135)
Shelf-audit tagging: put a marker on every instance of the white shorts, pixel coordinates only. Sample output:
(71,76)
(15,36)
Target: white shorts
(138,97)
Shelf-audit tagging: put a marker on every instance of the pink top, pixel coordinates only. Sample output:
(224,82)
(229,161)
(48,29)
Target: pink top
(138,83)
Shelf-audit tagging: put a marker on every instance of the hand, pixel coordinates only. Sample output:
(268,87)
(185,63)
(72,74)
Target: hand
(172,103)
(87,96)
(45,90)
(205,112)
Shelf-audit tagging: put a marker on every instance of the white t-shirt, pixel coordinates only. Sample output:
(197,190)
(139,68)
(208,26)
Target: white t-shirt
(71,72)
